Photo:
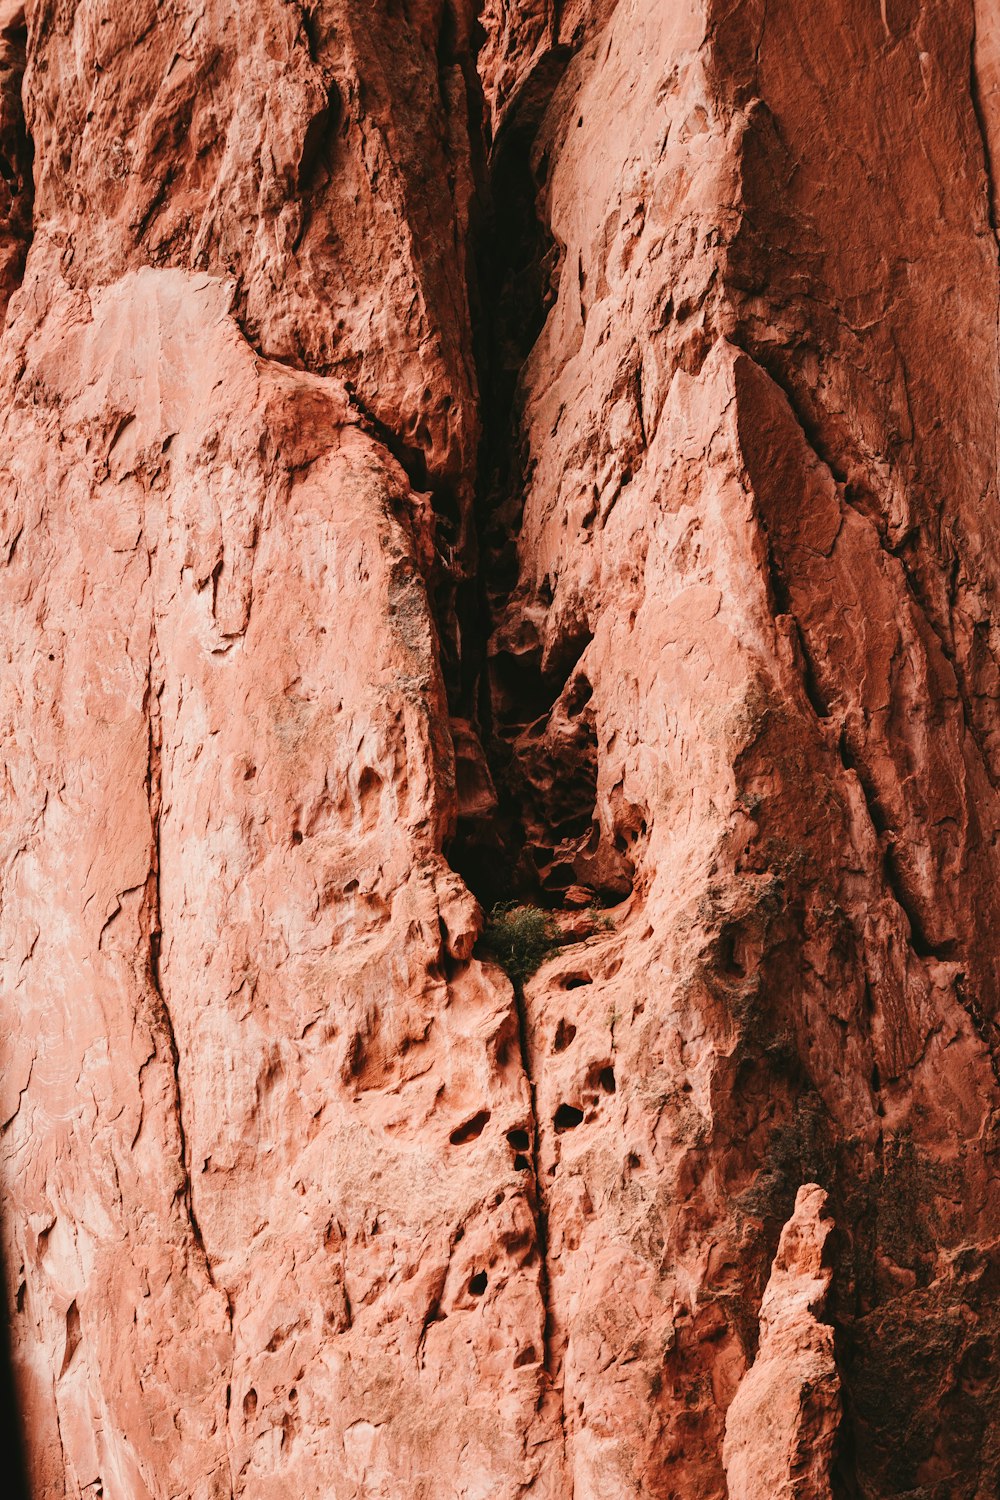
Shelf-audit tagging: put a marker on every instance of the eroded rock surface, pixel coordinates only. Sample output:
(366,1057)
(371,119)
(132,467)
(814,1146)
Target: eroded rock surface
(542,452)
(782,1423)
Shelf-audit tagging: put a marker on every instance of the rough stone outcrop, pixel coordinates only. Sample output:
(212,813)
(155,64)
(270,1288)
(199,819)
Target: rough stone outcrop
(449,455)
(15,154)
(782,1423)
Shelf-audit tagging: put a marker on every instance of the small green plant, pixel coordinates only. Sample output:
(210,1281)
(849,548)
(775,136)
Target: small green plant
(602,922)
(520,938)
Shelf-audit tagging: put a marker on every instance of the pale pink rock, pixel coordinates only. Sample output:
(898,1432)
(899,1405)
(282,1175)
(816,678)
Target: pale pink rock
(782,1422)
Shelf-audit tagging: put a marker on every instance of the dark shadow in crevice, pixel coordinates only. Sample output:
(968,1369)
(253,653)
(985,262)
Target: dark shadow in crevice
(510,296)
(521,690)
(16,161)
(11,1432)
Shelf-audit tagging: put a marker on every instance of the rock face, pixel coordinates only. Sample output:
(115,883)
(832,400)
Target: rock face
(539,453)
(782,1422)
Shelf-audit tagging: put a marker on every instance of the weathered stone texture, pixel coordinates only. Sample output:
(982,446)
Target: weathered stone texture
(545,452)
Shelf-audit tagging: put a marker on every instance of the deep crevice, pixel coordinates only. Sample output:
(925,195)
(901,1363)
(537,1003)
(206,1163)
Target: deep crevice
(509,686)
(16,160)
(525,688)
(11,1432)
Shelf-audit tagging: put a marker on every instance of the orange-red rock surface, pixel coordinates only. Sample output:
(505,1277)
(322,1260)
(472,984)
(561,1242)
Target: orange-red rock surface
(782,1423)
(544,452)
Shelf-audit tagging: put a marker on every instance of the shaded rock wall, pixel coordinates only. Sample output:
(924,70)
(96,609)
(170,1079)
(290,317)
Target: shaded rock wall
(547,453)
(782,1423)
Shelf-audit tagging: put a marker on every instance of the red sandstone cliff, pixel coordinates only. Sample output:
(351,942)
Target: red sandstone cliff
(543,454)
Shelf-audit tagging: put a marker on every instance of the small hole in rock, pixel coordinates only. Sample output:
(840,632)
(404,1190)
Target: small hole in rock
(519,1139)
(526,1357)
(293,1394)
(471,1129)
(579,695)
(521,1164)
(250,1403)
(567,1117)
(297,836)
(607,1080)
(577,981)
(477,1285)
(565,1032)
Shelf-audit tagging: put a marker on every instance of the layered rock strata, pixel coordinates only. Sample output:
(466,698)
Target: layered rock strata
(545,454)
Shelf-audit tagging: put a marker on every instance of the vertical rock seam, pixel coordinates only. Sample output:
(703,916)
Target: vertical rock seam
(456,454)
